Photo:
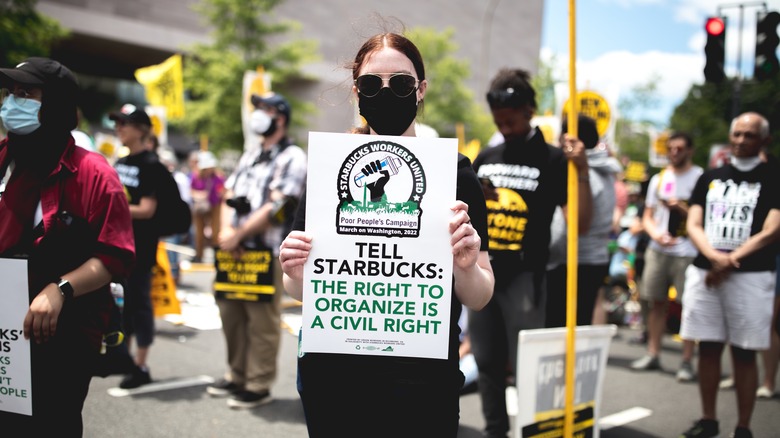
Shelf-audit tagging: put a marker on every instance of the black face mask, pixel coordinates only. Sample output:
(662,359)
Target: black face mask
(388,114)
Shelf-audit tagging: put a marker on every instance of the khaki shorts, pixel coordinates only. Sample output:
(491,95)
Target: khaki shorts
(737,312)
(660,272)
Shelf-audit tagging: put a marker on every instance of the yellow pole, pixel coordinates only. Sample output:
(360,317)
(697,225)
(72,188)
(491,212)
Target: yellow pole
(572,234)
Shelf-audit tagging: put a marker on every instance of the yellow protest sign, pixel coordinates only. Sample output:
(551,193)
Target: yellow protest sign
(636,171)
(594,106)
(164,299)
(248,278)
(164,85)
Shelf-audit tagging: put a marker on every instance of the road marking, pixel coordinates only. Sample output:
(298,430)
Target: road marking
(624,417)
(162,386)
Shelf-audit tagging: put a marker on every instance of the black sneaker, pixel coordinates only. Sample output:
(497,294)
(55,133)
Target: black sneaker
(702,429)
(136,378)
(742,432)
(248,399)
(222,388)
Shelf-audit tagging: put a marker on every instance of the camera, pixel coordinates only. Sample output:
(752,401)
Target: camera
(240,204)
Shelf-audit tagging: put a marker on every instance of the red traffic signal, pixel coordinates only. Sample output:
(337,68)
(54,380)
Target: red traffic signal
(715,49)
(715,26)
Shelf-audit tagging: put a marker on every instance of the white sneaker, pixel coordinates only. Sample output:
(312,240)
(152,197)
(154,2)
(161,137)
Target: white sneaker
(764,392)
(685,373)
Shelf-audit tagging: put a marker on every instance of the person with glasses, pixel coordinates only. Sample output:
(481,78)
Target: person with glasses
(357,396)
(141,173)
(64,211)
(524,180)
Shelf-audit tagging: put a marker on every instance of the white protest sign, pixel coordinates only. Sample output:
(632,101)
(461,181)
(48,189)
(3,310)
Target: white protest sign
(15,375)
(541,366)
(378,280)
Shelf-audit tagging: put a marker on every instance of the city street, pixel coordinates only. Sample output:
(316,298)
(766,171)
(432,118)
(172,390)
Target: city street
(189,353)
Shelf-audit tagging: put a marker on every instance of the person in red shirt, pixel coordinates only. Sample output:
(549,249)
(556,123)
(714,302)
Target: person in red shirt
(65,212)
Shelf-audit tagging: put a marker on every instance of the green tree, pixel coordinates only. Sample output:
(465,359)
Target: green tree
(707,110)
(213,73)
(448,101)
(632,128)
(544,84)
(24,32)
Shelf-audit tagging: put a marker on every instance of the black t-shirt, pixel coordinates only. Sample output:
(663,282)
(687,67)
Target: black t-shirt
(735,205)
(529,177)
(141,174)
(470,192)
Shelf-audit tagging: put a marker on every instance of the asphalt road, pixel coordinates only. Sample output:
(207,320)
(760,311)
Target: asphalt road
(189,353)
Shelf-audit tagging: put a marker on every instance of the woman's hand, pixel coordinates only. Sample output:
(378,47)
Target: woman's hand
(293,254)
(41,318)
(464,238)
(471,267)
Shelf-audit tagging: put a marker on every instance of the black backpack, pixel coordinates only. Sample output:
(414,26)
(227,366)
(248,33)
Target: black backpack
(173,214)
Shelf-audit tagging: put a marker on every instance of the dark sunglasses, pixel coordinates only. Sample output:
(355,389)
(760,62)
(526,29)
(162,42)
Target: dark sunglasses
(401,84)
(503,98)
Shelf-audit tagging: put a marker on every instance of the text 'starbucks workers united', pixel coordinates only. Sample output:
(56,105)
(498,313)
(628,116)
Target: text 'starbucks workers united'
(381,185)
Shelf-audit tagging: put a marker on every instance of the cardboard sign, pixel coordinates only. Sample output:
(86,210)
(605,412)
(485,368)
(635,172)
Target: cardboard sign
(541,365)
(248,278)
(378,280)
(15,369)
(163,292)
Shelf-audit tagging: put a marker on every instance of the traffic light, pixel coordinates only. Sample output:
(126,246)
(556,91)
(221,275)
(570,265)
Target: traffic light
(715,50)
(766,46)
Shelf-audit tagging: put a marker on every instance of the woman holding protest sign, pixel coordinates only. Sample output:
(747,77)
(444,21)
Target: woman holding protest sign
(350,395)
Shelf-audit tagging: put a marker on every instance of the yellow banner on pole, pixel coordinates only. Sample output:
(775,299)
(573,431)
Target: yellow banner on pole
(164,85)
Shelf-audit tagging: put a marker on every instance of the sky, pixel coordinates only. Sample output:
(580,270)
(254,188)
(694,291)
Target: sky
(621,44)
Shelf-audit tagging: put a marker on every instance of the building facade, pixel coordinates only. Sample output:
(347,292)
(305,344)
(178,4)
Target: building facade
(110,39)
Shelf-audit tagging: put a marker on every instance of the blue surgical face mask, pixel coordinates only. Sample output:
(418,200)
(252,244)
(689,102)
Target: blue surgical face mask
(21,118)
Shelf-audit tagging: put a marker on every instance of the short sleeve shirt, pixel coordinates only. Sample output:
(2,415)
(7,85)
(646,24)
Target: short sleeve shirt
(140,174)
(735,205)
(530,180)
(669,185)
(259,173)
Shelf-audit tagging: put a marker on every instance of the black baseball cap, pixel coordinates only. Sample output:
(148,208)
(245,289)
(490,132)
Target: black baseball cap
(40,72)
(275,101)
(130,113)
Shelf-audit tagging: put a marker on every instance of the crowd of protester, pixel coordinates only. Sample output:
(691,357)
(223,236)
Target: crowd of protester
(685,240)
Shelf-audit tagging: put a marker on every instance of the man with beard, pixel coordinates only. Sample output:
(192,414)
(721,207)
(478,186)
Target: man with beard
(670,250)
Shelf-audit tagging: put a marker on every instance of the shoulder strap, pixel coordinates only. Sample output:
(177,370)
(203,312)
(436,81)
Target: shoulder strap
(660,179)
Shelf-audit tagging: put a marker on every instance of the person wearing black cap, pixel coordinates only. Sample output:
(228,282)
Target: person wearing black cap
(260,198)
(140,172)
(63,209)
